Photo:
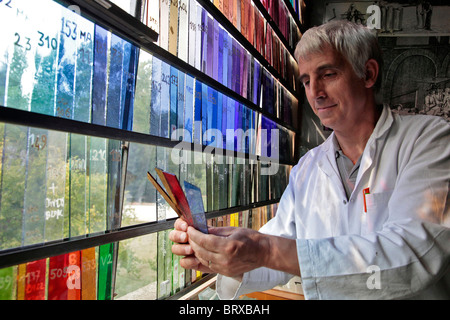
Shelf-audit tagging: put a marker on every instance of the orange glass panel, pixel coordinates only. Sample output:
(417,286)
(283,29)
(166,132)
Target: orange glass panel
(88,275)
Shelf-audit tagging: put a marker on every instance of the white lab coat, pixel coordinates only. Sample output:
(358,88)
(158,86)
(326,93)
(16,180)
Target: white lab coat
(399,248)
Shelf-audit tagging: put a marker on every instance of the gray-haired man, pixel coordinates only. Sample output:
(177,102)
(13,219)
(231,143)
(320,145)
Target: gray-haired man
(372,198)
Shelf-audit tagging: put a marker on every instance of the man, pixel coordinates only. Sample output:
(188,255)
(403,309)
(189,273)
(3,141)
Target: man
(365,214)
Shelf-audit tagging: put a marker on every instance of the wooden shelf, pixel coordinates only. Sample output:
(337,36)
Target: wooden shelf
(275,294)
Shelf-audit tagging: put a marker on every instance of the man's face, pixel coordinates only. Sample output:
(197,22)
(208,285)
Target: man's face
(335,93)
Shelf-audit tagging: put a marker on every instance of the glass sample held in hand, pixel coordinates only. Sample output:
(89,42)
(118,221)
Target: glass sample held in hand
(188,206)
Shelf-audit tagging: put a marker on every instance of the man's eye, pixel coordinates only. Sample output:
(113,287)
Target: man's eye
(329,75)
(306,83)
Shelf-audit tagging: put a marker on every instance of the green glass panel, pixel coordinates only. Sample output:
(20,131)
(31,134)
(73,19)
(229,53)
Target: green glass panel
(7,283)
(105,268)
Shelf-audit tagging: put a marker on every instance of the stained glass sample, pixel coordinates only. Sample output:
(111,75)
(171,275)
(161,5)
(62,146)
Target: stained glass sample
(88,274)
(143,96)
(198,131)
(163,38)
(7,276)
(173,116)
(198,36)
(173,27)
(105,264)
(192,26)
(189,109)
(35,277)
(165,101)
(183,29)
(194,197)
(181,104)
(152,15)
(100,76)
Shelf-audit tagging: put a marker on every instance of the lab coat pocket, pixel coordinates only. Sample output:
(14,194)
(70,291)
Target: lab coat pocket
(377,210)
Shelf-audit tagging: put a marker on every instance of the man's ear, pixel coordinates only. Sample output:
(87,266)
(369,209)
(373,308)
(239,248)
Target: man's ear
(372,70)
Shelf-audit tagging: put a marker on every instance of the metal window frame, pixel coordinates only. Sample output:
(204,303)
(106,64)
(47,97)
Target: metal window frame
(15,256)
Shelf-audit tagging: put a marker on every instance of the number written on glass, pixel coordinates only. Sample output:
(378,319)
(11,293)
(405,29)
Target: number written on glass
(46,41)
(70,30)
(20,42)
(6,3)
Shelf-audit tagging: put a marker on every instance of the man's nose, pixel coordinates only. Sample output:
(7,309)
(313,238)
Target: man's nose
(317,90)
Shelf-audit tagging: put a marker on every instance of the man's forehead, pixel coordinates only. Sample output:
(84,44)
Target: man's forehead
(317,61)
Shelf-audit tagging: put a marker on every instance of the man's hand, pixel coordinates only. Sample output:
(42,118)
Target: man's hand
(232,251)
(229,251)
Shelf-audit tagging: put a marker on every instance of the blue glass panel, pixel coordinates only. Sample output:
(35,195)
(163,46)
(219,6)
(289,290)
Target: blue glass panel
(142,104)
(84,70)
(220,56)
(173,121)
(210,46)
(225,54)
(204,36)
(165,99)
(211,113)
(224,108)
(204,113)
(116,67)
(215,58)
(198,113)
(181,97)
(189,108)
(99,78)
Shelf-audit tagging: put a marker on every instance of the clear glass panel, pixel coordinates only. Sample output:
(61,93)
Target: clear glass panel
(140,195)
(136,275)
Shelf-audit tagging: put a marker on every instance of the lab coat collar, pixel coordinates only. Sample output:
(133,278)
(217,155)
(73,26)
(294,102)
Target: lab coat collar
(328,163)
(383,124)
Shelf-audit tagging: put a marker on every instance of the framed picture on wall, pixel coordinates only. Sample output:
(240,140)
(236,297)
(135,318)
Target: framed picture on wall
(395,18)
